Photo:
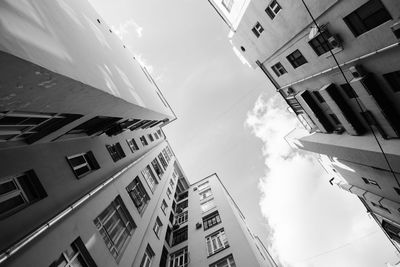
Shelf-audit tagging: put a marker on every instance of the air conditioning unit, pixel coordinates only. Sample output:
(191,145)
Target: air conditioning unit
(335,41)
(357,71)
(198,225)
(396,29)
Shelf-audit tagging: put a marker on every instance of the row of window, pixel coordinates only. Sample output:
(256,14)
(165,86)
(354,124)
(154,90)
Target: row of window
(152,137)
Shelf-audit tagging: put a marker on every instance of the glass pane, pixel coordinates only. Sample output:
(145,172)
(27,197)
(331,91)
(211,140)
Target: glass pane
(7,187)
(77,161)
(82,170)
(11,203)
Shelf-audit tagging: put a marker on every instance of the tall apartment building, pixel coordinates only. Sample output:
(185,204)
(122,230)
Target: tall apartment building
(87,177)
(351,116)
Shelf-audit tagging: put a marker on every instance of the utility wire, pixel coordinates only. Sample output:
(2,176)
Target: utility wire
(356,98)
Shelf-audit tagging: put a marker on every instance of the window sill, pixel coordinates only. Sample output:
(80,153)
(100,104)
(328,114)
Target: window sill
(209,256)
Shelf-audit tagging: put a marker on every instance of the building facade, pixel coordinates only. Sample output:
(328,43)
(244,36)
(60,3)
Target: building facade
(336,64)
(87,177)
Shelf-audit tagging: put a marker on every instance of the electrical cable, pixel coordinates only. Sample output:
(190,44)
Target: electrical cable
(356,98)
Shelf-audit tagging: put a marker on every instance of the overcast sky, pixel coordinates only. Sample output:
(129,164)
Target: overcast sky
(230,122)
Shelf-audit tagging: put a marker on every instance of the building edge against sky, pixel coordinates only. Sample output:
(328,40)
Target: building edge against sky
(87,175)
(341,78)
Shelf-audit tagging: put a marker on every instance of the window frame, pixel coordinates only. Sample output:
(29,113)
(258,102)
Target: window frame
(141,195)
(181,218)
(257,29)
(157,227)
(164,207)
(116,151)
(228,259)
(320,43)
(278,69)
(217,242)
(133,146)
(80,253)
(90,162)
(179,258)
(294,59)
(150,178)
(211,220)
(148,257)
(271,10)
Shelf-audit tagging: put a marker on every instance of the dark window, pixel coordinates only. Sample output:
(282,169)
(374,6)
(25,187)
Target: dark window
(349,90)
(132,145)
(94,125)
(162,160)
(319,96)
(216,242)
(164,257)
(227,261)
(296,59)
(278,69)
(143,140)
(168,235)
(83,164)
(164,207)
(335,119)
(116,151)
(370,181)
(181,206)
(393,79)
(320,43)
(18,192)
(138,194)
(273,9)
(151,138)
(257,29)
(116,226)
(171,217)
(157,227)
(157,167)
(148,257)
(75,255)
(211,220)
(179,236)
(366,17)
(392,230)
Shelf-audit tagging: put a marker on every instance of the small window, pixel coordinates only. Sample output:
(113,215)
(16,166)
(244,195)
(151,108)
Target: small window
(319,96)
(164,207)
(393,79)
(278,69)
(181,218)
(257,29)
(132,145)
(157,227)
(157,168)
(138,194)
(163,161)
(366,17)
(216,242)
(320,43)
(180,258)
(156,136)
(227,4)
(159,132)
(83,164)
(205,194)
(150,178)
(211,220)
(349,90)
(116,152)
(166,156)
(75,255)
(296,59)
(143,140)
(116,226)
(18,192)
(208,205)
(273,9)
(171,183)
(147,257)
(150,137)
(227,261)
(335,119)
(370,181)
(169,193)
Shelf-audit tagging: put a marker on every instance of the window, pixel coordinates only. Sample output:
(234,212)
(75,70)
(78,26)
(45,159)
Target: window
(320,43)
(203,185)
(169,152)
(143,140)
(180,236)
(273,9)
(162,160)
(164,207)
(150,137)
(150,178)
(116,151)
(227,4)
(257,29)
(166,155)
(181,206)
(168,236)
(179,258)
(157,168)
(171,183)
(147,257)
(157,227)
(211,220)
(370,181)
(366,17)
(156,136)
(380,206)
(278,69)
(205,194)
(393,79)
(116,226)
(31,126)
(319,96)
(216,242)
(75,255)
(181,218)
(19,191)
(349,90)
(132,145)
(296,59)
(138,194)
(208,205)
(228,261)
(159,132)
(94,125)
(335,119)
(83,164)
(169,193)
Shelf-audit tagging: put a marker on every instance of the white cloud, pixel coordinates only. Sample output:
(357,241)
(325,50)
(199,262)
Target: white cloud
(123,29)
(309,218)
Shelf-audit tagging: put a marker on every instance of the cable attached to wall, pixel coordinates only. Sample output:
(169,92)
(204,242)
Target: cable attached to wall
(356,98)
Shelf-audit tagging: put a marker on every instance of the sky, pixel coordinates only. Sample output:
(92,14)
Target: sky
(231,122)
